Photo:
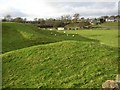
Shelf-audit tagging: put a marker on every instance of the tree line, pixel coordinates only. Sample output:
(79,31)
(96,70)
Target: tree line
(52,22)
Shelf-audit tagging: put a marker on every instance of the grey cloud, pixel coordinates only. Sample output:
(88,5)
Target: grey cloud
(83,4)
(13,12)
(86,8)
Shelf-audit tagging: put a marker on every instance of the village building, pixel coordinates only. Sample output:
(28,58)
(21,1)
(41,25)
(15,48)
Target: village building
(60,28)
(113,19)
(110,19)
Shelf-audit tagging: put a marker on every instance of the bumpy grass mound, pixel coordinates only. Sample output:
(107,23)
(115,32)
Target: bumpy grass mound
(63,64)
(17,36)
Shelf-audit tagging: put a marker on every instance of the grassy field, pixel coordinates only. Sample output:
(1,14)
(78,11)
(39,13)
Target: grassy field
(34,58)
(17,36)
(110,25)
(107,37)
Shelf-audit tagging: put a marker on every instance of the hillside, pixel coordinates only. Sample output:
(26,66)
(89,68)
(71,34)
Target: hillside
(63,64)
(17,36)
(34,58)
(114,24)
(108,25)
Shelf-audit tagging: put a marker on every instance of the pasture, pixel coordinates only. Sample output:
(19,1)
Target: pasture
(34,58)
(107,37)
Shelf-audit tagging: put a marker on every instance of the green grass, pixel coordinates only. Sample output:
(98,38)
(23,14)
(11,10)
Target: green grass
(68,64)
(107,37)
(110,25)
(17,36)
(34,58)
(107,26)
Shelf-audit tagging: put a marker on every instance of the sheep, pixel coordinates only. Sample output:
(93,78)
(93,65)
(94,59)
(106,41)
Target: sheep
(73,35)
(64,32)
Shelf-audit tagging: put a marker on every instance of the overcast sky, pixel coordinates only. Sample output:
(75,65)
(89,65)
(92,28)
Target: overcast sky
(56,8)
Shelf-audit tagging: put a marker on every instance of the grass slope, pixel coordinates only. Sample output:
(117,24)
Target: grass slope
(16,36)
(107,26)
(110,25)
(107,37)
(63,61)
(66,64)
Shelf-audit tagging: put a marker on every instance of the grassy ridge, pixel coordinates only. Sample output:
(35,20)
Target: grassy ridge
(16,36)
(64,64)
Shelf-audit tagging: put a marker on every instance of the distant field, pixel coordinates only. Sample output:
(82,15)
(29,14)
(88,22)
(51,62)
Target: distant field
(107,37)
(34,58)
(110,25)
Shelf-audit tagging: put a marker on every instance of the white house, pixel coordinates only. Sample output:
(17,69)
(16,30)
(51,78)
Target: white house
(117,19)
(110,19)
(61,28)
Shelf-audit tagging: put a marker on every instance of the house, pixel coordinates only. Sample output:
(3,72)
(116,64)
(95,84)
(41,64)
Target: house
(90,20)
(44,27)
(78,26)
(110,19)
(117,18)
(61,28)
(73,28)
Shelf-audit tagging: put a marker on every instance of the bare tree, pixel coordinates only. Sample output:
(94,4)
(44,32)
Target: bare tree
(35,19)
(66,17)
(24,20)
(76,17)
(7,17)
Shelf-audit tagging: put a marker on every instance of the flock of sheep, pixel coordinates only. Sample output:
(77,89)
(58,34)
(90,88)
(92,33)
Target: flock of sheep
(64,33)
